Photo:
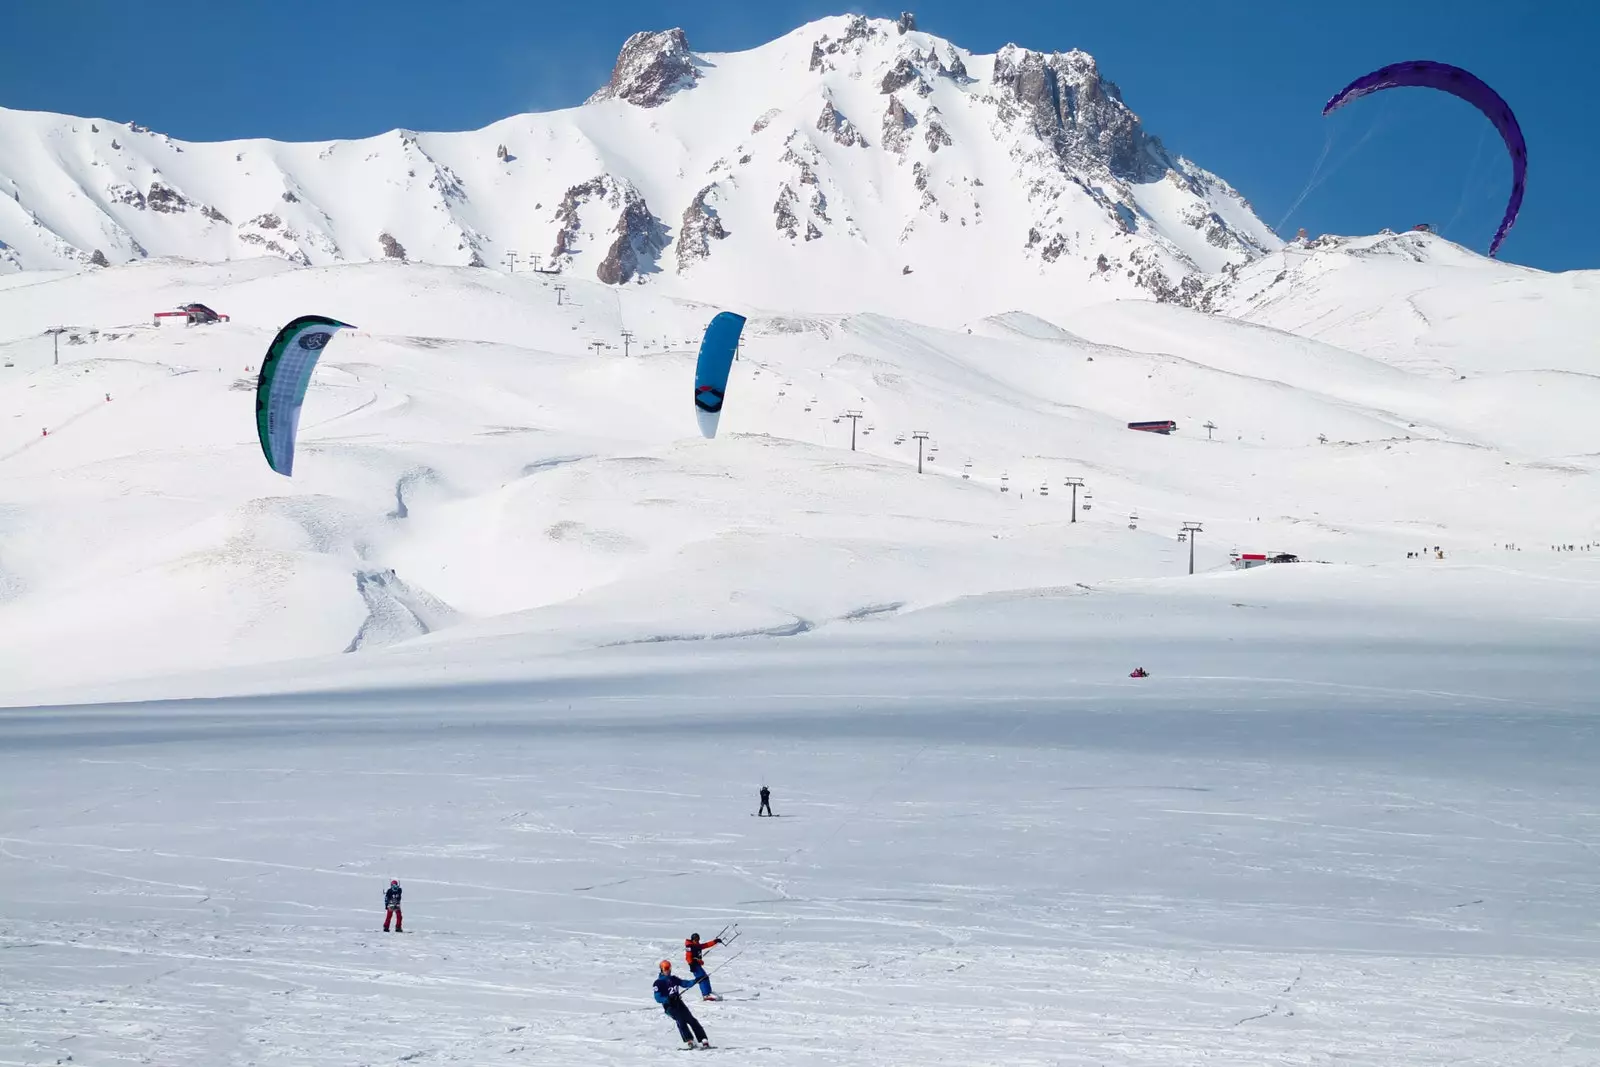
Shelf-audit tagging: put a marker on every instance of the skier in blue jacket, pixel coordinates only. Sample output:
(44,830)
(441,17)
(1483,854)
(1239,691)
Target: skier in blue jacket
(669,994)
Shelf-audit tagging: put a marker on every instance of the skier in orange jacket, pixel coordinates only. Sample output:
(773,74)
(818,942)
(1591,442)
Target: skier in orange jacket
(693,950)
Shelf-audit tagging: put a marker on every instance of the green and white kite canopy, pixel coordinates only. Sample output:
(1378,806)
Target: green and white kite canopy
(281,389)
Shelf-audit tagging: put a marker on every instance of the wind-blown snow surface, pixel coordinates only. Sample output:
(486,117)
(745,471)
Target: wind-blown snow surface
(1355,830)
(1351,816)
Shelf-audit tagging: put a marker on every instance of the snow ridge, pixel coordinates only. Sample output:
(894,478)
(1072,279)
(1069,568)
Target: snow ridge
(918,153)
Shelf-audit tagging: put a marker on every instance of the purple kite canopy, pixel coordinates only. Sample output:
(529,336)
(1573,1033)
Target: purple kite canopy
(1426,74)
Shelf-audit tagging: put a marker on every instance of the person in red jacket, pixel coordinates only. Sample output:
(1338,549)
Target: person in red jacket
(693,951)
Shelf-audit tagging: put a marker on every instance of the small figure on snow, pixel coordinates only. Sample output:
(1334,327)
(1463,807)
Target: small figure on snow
(693,954)
(391,908)
(1138,672)
(766,802)
(669,994)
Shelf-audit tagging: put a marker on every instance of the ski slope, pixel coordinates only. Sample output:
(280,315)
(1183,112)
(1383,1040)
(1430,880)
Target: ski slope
(517,636)
(470,463)
(1333,834)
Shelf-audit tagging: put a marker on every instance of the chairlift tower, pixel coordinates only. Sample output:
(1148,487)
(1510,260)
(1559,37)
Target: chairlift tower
(511,260)
(559,290)
(1209,426)
(921,436)
(855,417)
(1190,528)
(627,339)
(1073,484)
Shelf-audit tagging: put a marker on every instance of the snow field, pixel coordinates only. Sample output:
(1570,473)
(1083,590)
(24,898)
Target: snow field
(466,457)
(517,636)
(991,846)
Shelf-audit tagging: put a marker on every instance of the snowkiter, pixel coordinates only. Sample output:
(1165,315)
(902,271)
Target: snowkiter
(391,908)
(669,994)
(766,802)
(693,951)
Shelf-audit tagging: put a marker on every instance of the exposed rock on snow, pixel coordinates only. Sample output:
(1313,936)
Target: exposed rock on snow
(638,237)
(897,124)
(901,75)
(840,128)
(783,211)
(649,69)
(1077,113)
(700,226)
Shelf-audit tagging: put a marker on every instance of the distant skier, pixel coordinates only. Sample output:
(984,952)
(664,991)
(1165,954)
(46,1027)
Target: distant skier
(766,802)
(693,954)
(391,908)
(669,994)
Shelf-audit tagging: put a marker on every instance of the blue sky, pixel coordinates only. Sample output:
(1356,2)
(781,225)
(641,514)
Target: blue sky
(1236,85)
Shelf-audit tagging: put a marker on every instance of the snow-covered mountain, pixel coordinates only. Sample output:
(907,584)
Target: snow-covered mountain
(517,635)
(854,163)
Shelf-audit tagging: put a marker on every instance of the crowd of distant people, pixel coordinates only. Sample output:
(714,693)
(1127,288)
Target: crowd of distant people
(1438,553)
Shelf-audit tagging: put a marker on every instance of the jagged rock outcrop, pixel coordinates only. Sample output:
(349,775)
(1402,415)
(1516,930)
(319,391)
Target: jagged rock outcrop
(905,23)
(897,125)
(638,237)
(650,68)
(392,249)
(122,193)
(840,128)
(1078,114)
(783,211)
(900,75)
(567,214)
(699,227)
(165,199)
(859,30)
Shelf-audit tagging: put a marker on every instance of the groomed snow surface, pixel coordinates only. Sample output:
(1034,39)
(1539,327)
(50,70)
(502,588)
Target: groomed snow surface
(515,635)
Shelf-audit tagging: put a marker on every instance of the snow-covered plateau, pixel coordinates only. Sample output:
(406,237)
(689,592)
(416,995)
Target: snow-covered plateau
(516,635)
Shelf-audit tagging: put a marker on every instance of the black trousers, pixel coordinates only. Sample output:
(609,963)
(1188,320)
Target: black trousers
(685,1019)
(766,806)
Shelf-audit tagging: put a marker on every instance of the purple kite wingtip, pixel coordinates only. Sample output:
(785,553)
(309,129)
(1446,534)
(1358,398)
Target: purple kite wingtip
(1427,73)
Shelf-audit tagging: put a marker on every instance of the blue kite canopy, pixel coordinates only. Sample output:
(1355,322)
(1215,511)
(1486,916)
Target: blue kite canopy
(1427,74)
(281,388)
(711,371)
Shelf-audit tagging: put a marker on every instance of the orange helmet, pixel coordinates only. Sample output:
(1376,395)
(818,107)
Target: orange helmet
(666,966)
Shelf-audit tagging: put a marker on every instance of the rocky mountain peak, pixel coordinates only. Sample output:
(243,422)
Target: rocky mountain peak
(1078,113)
(650,68)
